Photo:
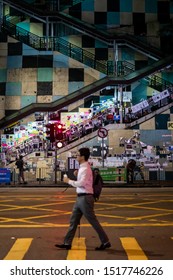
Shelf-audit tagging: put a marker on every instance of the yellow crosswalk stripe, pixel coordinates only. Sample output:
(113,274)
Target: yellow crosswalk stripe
(19,249)
(132,248)
(78,250)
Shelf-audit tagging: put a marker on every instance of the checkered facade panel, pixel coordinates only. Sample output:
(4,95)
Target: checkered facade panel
(27,76)
(107,13)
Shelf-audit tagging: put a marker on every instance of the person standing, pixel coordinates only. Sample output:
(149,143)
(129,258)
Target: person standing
(84,204)
(20,166)
(130,170)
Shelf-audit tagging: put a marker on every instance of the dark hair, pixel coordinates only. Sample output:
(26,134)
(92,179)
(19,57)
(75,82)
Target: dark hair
(85,152)
(96,169)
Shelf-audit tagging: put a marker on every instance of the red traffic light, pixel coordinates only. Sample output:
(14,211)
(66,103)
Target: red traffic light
(59,130)
(60,126)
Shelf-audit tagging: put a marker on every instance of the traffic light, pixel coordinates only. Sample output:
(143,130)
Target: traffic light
(50,132)
(59,131)
(60,137)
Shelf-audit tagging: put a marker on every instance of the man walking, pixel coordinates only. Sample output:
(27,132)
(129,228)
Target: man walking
(84,204)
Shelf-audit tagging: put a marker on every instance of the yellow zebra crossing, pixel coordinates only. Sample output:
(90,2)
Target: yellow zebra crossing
(79,249)
(19,249)
(133,249)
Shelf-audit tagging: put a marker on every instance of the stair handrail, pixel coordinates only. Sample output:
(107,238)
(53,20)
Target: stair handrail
(90,30)
(56,44)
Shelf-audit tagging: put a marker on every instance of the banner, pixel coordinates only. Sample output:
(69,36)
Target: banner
(113,174)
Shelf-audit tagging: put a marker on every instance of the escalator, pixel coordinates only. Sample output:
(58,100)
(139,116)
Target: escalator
(87,137)
(166,102)
(115,127)
(149,116)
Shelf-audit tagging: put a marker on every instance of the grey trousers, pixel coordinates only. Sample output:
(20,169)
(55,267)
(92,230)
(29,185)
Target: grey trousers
(84,205)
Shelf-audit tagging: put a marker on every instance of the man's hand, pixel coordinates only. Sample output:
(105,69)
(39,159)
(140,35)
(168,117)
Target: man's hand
(65,179)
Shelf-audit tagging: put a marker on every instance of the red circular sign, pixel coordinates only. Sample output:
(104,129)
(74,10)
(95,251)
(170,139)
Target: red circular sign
(102,132)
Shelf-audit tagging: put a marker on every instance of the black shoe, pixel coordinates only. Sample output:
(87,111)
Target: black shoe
(103,246)
(63,246)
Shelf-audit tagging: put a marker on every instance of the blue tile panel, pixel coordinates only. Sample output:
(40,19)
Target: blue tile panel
(13,88)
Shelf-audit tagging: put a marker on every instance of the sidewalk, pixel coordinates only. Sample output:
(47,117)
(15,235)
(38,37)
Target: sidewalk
(138,184)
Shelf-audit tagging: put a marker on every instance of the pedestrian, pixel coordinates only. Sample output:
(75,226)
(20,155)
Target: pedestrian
(130,170)
(84,204)
(139,170)
(20,165)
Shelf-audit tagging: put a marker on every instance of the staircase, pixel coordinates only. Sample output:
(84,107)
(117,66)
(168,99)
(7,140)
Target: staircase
(126,39)
(125,71)
(61,45)
(56,44)
(84,92)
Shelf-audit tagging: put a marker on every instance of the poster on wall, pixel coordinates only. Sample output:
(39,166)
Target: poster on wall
(70,118)
(7,141)
(85,113)
(74,118)
(127,96)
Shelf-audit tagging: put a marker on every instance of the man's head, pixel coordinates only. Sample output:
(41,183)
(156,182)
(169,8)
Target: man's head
(83,155)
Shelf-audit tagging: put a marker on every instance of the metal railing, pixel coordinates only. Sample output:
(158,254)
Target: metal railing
(157,83)
(57,44)
(138,43)
(49,5)
(46,177)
